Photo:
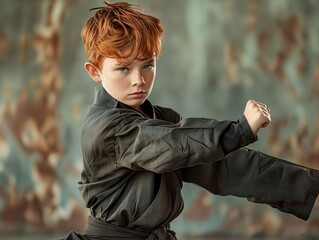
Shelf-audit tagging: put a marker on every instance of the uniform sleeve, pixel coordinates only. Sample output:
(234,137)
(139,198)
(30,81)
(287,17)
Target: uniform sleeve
(160,146)
(261,179)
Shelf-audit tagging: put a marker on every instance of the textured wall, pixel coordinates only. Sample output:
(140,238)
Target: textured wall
(216,55)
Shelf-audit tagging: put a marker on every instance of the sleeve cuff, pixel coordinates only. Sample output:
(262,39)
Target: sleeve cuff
(302,211)
(247,133)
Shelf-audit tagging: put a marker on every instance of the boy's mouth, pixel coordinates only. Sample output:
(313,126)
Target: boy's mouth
(138,94)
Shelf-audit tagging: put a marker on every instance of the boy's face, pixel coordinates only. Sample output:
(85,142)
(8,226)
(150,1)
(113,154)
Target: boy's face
(130,84)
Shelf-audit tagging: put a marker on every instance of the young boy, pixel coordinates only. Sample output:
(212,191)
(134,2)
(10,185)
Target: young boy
(137,155)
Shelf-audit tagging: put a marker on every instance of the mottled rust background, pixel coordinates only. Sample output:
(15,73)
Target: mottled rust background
(216,56)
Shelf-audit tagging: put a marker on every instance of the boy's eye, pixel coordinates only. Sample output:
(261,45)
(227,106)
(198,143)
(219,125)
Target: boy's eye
(123,69)
(148,66)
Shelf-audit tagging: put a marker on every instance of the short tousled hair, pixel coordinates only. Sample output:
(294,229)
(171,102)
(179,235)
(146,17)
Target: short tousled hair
(120,30)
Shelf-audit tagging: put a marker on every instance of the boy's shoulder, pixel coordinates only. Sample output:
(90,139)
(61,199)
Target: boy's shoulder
(166,113)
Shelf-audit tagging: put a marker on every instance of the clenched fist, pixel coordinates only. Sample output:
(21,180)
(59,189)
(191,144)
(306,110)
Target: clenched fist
(257,115)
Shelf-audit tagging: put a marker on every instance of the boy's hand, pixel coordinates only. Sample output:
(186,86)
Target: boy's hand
(257,115)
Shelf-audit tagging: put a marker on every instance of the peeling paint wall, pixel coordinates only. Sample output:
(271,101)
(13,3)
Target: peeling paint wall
(216,55)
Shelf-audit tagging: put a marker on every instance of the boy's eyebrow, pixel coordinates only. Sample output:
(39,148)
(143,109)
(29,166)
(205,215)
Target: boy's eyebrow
(151,59)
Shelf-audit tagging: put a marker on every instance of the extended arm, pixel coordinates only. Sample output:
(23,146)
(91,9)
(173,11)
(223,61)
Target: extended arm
(260,178)
(161,146)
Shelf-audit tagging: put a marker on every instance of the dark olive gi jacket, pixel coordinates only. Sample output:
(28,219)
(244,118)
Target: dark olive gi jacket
(135,165)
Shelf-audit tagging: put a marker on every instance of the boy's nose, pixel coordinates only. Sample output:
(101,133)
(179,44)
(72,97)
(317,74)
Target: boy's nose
(138,80)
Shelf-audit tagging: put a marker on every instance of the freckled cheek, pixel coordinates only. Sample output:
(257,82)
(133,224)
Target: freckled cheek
(122,85)
(117,85)
(149,78)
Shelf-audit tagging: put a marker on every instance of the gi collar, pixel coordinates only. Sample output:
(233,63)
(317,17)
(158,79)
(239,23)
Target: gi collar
(103,98)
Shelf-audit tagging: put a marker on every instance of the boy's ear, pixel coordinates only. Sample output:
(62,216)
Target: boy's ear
(93,71)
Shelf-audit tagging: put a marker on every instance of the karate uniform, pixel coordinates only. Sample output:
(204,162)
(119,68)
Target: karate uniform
(135,166)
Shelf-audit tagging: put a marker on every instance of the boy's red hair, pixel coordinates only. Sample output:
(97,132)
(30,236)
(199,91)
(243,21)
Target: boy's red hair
(121,31)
